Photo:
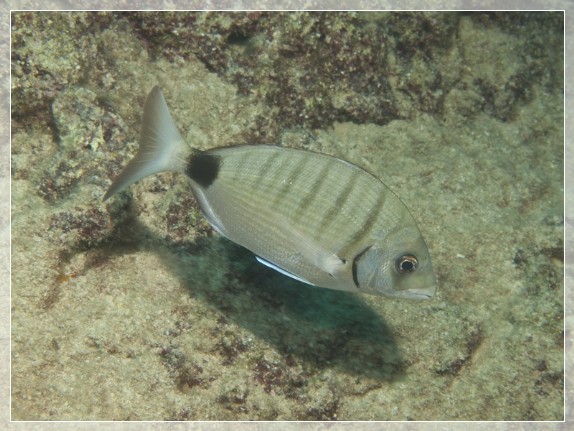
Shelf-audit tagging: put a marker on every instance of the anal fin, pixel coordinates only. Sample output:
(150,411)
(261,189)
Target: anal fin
(281,270)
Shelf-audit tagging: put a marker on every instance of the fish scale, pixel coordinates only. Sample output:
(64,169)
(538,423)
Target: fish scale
(294,205)
(316,218)
(300,197)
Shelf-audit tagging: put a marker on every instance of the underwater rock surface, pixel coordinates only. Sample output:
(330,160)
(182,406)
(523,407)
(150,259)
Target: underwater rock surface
(134,309)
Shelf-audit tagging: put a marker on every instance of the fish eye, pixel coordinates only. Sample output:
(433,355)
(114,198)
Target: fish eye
(407,263)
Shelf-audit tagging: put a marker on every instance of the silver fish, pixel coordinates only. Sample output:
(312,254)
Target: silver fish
(313,217)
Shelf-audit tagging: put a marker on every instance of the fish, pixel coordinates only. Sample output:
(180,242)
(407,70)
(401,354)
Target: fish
(313,217)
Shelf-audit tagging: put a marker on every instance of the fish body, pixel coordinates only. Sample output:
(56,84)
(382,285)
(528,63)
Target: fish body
(316,218)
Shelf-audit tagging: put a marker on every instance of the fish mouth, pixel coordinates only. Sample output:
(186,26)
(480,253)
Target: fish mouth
(423,294)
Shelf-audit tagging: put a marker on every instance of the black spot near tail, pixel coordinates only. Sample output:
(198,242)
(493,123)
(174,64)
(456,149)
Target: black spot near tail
(203,168)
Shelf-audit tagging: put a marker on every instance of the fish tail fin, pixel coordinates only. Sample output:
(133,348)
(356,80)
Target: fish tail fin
(161,146)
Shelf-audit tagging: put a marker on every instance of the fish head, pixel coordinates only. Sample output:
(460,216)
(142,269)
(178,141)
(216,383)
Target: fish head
(398,266)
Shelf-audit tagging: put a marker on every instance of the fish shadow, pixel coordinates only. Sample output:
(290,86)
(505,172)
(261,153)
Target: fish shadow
(322,328)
